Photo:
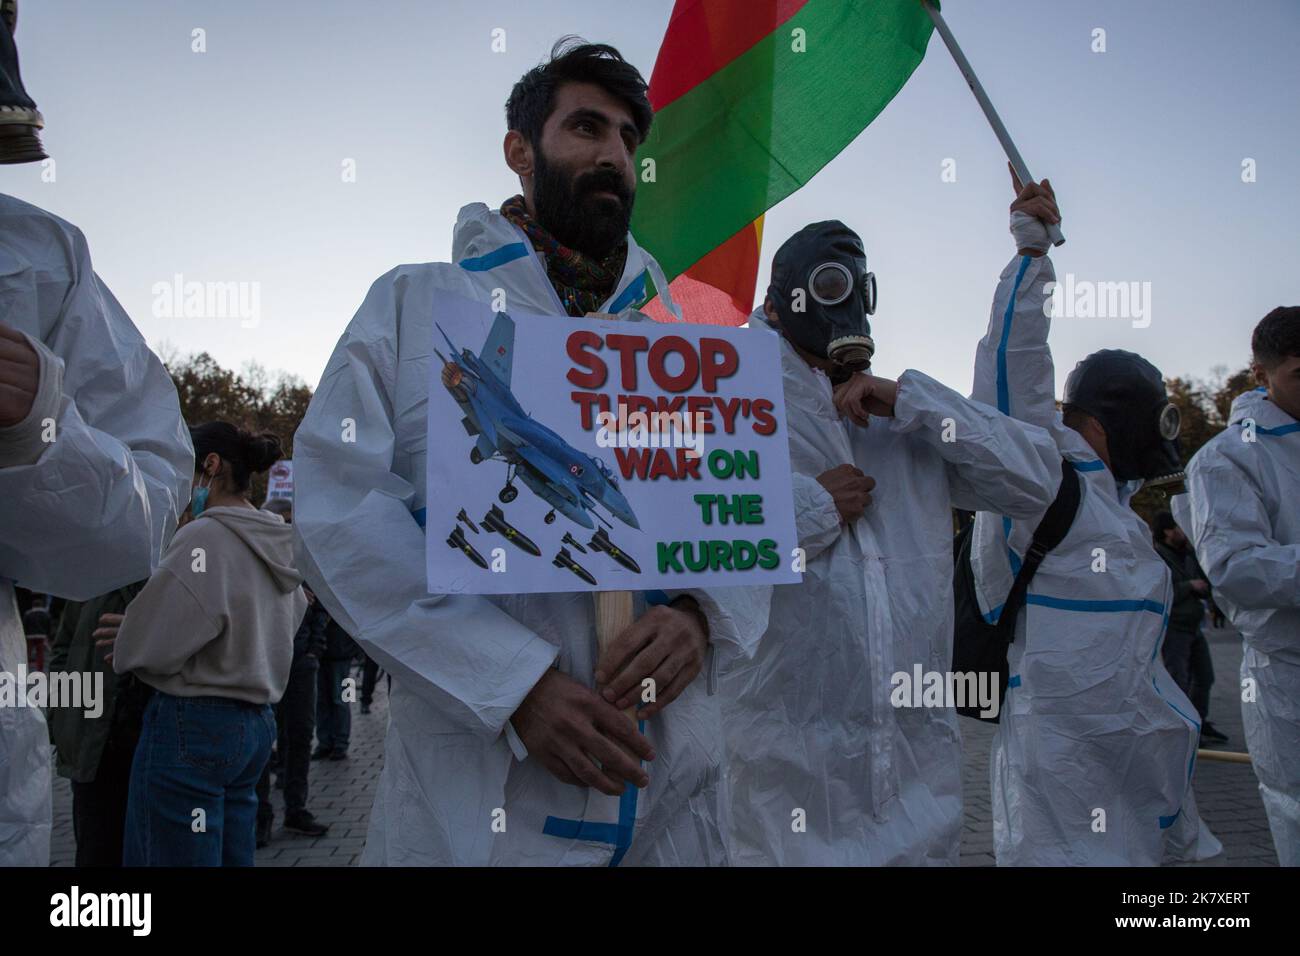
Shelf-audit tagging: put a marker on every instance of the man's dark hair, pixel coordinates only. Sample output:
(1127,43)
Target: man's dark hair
(1277,336)
(573,60)
(1162,522)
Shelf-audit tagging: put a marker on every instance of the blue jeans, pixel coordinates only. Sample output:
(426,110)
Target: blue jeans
(196,753)
(333,713)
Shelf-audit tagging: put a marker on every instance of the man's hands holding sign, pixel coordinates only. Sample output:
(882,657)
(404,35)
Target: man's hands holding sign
(569,727)
(583,737)
(666,645)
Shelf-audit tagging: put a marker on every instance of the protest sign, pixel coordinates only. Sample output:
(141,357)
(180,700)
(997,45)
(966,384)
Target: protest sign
(279,482)
(577,454)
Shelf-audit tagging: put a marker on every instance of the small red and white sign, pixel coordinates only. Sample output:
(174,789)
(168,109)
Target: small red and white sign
(279,482)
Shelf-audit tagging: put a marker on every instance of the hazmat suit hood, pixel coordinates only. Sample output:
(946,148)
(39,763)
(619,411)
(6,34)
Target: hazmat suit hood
(1126,394)
(267,536)
(1255,405)
(20,121)
(484,243)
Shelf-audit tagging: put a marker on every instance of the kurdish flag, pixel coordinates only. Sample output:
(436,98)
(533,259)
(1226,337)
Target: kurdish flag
(751,99)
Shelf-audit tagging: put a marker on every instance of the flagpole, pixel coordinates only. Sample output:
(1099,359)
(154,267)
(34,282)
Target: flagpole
(963,64)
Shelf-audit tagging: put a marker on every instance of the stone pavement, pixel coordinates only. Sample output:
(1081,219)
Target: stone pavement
(342,791)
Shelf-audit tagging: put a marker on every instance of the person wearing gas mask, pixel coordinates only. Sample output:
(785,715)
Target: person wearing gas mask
(95,461)
(827,765)
(1093,758)
(1243,488)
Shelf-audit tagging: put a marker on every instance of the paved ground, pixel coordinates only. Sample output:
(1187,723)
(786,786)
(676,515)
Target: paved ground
(341,794)
(342,791)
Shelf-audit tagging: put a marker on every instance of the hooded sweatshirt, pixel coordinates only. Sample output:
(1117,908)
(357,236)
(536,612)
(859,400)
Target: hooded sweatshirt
(218,617)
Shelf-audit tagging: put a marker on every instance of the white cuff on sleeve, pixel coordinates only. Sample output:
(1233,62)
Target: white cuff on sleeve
(1029,232)
(516,745)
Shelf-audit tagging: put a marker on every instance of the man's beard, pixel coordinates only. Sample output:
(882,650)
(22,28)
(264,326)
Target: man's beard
(571,211)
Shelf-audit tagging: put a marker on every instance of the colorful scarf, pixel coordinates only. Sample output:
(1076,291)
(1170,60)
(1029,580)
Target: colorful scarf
(582,283)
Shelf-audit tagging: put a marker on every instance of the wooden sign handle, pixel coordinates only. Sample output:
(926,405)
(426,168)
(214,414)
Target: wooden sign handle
(613,617)
(613,608)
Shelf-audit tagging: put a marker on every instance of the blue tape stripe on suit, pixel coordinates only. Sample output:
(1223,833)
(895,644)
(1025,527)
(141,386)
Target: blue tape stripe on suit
(1279,430)
(619,834)
(1095,465)
(497,257)
(1091,607)
(629,295)
(1012,558)
(1004,397)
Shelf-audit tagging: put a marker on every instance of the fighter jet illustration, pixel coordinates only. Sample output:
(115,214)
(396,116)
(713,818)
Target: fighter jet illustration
(457,540)
(565,560)
(601,542)
(495,520)
(570,481)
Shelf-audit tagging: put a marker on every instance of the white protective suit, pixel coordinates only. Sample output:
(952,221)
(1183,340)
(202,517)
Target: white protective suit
(1092,761)
(91,510)
(1244,486)
(462,664)
(810,723)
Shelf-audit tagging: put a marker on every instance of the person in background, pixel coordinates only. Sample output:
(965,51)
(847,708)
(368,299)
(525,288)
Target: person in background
(95,749)
(212,634)
(1185,650)
(333,702)
(1243,486)
(295,719)
(369,678)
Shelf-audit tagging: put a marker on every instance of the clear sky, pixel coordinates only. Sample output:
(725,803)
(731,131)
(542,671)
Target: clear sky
(226,165)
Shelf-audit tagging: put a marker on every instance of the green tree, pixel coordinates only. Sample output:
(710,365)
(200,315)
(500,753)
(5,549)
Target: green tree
(252,399)
(1205,406)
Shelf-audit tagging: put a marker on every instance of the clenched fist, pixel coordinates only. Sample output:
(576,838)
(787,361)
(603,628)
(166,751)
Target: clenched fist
(851,490)
(20,375)
(864,395)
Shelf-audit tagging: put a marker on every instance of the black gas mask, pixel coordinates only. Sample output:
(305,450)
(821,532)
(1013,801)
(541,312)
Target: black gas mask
(823,293)
(19,118)
(1126,394)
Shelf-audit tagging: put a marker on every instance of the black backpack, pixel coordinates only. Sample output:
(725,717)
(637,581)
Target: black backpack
(978,646)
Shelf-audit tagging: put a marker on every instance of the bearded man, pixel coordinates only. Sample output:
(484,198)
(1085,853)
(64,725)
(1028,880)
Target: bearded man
(495,711)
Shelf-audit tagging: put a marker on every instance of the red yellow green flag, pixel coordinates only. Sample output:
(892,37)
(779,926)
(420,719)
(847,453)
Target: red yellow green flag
(751,99)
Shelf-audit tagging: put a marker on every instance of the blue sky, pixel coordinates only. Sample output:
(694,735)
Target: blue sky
(226,166)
